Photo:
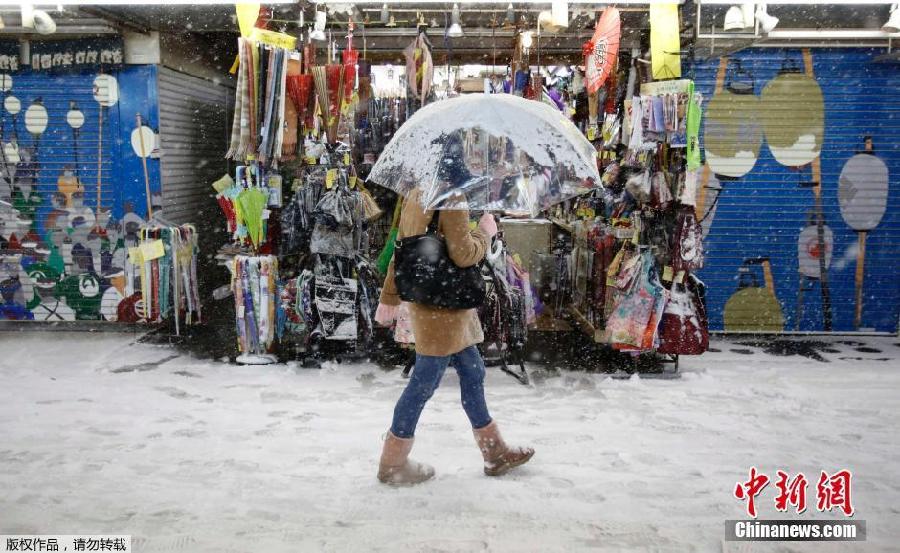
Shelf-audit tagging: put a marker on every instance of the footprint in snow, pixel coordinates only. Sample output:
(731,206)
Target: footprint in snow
(557,482)
(189,433)
(273,397)
(176,393)
(187,373)
(99,432)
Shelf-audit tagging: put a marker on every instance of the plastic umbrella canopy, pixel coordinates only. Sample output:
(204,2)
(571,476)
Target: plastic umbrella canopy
(488,152)
(253,202)
(600,57)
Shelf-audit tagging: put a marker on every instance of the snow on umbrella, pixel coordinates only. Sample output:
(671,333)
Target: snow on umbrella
(500,151)
(602,50)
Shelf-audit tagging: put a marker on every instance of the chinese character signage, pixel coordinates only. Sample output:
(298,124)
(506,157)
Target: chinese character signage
(65,55)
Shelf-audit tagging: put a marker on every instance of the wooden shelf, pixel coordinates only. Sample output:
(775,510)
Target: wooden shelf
(563,225)
(585,324)
(546,323)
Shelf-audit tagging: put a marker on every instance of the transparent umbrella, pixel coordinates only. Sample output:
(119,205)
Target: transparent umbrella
(494,152)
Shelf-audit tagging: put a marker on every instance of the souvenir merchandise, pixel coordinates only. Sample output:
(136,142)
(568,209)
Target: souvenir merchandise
(259,102)
(253,282)
(637,242)
(684,327)
(166,261)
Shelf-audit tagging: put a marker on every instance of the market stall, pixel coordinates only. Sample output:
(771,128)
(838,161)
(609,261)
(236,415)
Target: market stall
(611,255)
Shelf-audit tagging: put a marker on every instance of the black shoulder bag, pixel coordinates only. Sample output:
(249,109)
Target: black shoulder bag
(425,274)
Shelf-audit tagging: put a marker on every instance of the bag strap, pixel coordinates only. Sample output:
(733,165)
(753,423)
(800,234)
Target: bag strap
(433,224)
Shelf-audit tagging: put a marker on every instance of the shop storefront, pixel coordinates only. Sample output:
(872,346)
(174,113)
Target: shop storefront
(778,210)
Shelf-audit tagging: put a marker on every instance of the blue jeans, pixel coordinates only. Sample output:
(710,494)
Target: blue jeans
(426,378)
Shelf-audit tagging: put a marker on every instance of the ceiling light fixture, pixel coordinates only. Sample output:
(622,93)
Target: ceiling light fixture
(893,23)
(734,19)
(510,19)
(748,10)
(43,23)
(318,32)
(766,22)
(455,30)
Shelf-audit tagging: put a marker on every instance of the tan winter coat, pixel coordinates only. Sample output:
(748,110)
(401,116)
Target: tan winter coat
(438,331)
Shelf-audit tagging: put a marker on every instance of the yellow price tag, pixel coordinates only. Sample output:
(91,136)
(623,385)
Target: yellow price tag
(353,182)
(311,160)
(134,255)
(274,38)
(330,176)
(346,159)
(592,133)
(679,278)
(152,250)
(667,273)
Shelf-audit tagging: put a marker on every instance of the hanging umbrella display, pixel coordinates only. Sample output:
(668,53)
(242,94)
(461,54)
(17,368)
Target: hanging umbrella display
(299,89)
(142,140)
(601,52)
(106,93)
(862,193)
(350,57)
(499,151)
(253,202)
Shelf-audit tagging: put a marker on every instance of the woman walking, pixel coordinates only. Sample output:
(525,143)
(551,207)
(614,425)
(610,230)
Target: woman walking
(442,337)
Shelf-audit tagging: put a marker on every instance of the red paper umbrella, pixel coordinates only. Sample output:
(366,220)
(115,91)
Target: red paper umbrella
(350,57)
(603,49)
(299,88)
(334,75)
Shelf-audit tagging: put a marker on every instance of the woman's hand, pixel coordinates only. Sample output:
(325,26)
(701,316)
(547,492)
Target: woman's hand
(488,225)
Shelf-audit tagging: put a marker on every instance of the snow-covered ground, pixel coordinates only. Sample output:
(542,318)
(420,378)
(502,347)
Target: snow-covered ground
(99,434)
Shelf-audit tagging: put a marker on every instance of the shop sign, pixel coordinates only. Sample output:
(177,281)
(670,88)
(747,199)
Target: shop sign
(78,54)
(658,88)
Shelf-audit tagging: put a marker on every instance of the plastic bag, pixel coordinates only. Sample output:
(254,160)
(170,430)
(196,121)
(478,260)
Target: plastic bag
(638,185)
(336,216)
(684,329)
(628,322)
(660,194)
(687,243)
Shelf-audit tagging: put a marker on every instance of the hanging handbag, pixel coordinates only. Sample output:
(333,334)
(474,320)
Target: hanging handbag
(684,329)
(687,243)
(425,274)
